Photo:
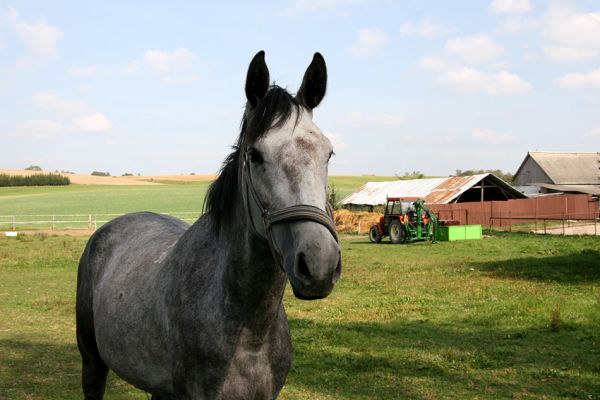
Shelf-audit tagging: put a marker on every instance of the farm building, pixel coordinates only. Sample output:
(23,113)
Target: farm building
(559,172)
(453,189)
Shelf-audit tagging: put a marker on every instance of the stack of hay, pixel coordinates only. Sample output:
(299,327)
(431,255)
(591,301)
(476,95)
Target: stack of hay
(355,221)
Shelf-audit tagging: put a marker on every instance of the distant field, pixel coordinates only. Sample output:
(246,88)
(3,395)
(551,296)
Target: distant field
(79,179)
(511,316)
(98,200)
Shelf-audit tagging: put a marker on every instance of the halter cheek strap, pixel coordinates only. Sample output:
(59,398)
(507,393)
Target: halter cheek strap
(298,212)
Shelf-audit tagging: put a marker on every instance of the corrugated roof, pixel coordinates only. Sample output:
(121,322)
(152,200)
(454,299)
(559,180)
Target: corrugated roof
(375,193)
(452,187)
(590,189)
(569,168)
(434,190)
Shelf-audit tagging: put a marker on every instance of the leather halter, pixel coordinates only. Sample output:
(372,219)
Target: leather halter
(297,212)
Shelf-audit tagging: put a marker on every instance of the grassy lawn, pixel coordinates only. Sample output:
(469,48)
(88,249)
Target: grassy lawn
(100,199)
(183,200)
(514,315)
(107,199)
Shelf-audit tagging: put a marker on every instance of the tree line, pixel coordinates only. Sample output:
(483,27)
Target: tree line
(34,180)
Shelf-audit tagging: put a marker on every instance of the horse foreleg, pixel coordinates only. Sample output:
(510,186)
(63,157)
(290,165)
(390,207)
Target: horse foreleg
(93,379)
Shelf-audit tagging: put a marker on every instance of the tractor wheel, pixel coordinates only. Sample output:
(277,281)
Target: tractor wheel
(396,232)
(374,235)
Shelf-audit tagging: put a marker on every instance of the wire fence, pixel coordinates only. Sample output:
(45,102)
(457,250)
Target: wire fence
(73,221)
(555,225)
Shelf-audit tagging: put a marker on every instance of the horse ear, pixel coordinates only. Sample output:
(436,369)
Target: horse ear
(314,83)
(257,80)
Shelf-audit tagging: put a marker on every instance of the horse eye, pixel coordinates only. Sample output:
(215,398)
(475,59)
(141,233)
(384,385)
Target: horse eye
(255,156)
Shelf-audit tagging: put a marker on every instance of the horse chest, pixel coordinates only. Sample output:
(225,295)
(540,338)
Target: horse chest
(251,371)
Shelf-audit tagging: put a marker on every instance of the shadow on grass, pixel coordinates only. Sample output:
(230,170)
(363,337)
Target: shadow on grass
(34,370)
(421,360)
(358,360)
(582,267)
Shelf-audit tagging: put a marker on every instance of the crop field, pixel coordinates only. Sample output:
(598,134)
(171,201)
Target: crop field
(509,316)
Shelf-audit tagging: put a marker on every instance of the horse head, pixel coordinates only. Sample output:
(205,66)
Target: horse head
(284,163)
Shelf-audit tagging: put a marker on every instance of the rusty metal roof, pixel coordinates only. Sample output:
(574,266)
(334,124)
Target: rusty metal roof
(452,187)
(434,190)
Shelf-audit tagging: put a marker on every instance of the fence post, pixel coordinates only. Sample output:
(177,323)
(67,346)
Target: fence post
(89,222)
(509,221)
(544,226)
(53,221)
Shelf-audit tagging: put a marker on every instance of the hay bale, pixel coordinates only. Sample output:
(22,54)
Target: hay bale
(355,221)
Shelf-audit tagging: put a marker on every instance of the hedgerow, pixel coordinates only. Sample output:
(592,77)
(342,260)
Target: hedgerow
(34,180)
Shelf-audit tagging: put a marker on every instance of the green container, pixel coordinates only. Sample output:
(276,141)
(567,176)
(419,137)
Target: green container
(458,232)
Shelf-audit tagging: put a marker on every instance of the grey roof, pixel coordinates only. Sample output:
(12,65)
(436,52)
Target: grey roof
(568,168)
(590,189)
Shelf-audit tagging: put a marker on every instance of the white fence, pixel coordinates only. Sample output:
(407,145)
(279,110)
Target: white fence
(74,221)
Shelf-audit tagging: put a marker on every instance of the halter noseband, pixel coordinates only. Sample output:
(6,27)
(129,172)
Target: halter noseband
(297,212)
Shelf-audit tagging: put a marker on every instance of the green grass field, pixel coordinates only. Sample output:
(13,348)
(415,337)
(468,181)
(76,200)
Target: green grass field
(511,316)
(102,203)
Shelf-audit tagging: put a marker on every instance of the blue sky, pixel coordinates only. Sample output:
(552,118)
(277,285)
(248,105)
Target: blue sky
(158,87)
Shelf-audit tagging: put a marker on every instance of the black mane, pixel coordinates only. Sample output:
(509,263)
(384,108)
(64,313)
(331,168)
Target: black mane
(272,112)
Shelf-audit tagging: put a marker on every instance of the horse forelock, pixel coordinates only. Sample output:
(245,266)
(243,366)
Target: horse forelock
(271,113)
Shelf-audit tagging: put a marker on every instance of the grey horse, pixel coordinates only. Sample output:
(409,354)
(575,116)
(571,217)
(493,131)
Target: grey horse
(196,312)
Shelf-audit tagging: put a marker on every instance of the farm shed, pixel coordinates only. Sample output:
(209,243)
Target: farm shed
(559,172)
(453,189)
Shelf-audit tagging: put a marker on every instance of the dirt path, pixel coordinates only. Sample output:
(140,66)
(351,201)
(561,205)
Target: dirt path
(587,229)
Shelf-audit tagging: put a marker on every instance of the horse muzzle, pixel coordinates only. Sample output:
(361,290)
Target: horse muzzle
(311,258)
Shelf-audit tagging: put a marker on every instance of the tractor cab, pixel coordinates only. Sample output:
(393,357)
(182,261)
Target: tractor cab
(405,219)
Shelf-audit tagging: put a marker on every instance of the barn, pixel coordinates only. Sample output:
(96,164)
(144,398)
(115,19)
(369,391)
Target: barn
(453,189)
(543,172)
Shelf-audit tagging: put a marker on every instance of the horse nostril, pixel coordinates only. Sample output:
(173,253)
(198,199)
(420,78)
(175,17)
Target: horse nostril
(302,270)
(338,268)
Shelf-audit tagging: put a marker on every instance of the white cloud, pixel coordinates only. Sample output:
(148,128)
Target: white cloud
(517,24)
(132,67)
(165,62)
(82,72)
(381,119)
(489,136)
(38,129)
(173,66)
(593,134)
(569,34)
(472,80)
(433,64)
(474,49)
(95,122)
(40,37)
(54,103)
(370,40)
(425,27)
(510,6)
(579,80)
(337,140)
(303,6)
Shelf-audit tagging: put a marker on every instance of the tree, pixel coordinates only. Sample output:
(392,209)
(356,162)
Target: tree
(99,173)
(505,176)
(34,168)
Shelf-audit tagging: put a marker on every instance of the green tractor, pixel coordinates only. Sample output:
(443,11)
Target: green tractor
(405,220)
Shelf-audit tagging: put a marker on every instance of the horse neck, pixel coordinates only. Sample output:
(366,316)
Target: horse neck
(252,280)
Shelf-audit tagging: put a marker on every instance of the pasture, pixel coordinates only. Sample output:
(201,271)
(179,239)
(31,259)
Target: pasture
(511,316)
(174,197)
